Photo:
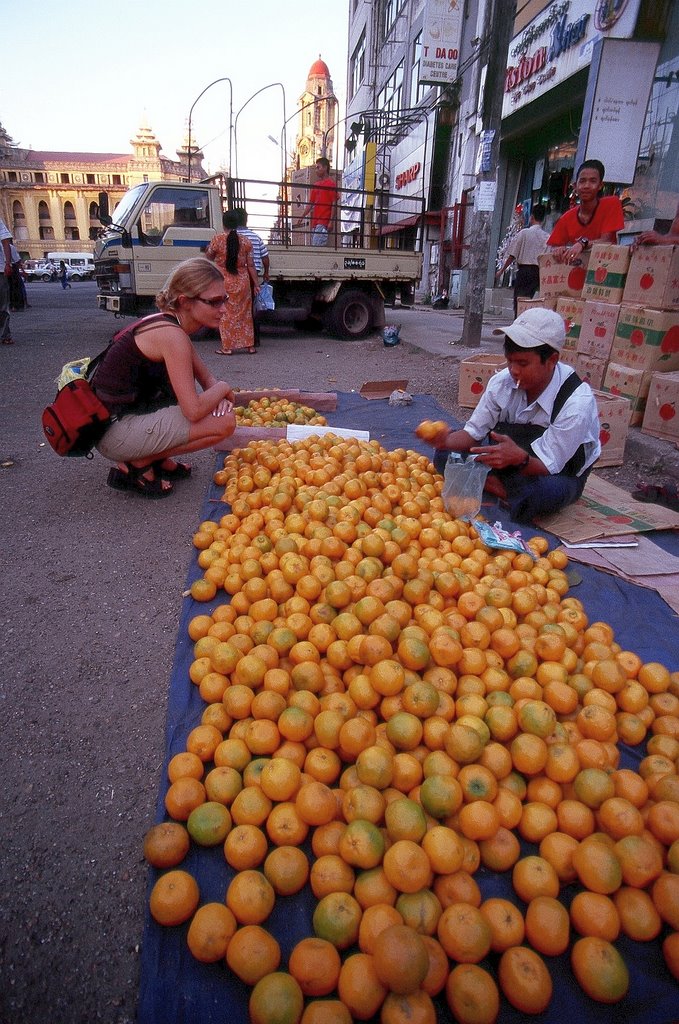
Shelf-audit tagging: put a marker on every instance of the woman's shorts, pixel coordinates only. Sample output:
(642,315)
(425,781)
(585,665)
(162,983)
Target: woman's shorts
(137,437)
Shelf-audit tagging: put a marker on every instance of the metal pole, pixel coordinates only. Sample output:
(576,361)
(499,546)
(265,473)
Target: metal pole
(235,127)
(230,118)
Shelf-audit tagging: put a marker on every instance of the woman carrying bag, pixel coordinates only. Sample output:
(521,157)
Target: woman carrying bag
(232,253)
(165,400)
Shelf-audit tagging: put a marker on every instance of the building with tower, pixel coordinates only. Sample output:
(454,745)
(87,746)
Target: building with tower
(317,108)
(49,200)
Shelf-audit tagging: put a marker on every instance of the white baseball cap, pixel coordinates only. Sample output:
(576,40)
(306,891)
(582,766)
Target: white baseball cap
(536,327)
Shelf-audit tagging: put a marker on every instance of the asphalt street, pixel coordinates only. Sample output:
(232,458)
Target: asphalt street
(92,590)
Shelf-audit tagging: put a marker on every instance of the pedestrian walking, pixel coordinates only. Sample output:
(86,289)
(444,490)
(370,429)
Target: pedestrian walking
(63,275)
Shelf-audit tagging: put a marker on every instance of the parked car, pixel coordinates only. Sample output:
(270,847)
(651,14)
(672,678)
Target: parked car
(39,270)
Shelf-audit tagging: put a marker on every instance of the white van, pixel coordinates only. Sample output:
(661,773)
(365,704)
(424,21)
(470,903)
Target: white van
(81,264)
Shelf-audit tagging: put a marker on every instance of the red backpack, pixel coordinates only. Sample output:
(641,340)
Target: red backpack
(76,419)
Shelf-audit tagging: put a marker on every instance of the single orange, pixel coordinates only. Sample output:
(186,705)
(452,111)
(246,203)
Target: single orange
(174,897)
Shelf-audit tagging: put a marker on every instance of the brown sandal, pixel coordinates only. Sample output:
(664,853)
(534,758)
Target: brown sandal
(222,352)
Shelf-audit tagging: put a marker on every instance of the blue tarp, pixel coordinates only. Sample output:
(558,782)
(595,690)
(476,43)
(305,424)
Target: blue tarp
(176,989)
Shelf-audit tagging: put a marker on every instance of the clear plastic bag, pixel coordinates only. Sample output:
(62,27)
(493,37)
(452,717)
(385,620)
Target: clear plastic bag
(74,370)
(463,480)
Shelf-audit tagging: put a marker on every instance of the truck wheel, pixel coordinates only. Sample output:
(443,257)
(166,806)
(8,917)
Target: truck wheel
(351,315)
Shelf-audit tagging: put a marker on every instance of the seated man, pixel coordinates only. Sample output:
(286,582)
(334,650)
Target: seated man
(596,218)
(540,419)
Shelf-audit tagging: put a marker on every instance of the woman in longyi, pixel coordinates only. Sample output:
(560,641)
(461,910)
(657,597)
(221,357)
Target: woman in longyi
(232,253)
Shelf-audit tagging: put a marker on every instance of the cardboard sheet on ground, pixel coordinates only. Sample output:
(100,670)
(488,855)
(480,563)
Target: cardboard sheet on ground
(605,510)
(176,989)
(646,564)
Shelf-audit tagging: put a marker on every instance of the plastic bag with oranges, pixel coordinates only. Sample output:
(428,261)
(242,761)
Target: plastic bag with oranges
(463,481)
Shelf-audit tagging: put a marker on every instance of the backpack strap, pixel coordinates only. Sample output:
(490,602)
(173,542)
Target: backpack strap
(571,384)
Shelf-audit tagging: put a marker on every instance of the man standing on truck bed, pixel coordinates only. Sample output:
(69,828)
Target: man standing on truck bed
(321,203)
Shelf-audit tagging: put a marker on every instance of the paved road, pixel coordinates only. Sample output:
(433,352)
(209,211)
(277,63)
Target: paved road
(90,605)
(91,599)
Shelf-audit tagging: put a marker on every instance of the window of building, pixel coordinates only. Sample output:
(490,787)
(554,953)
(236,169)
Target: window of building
(117,179)
(43,211)
(90,179)
(391,96)
(69,212)
(417,91)
(389,15)
(12,176)
(18,220)
(357,66)
(39,177)
(64,178)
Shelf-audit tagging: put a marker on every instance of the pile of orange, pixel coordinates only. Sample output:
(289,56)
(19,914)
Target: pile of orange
(390,705)
(276,412)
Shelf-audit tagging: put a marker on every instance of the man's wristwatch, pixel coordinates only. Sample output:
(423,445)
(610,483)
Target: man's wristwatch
(584,242)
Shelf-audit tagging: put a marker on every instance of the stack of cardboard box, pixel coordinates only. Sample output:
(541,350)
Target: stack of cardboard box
(624,325)
(621,311)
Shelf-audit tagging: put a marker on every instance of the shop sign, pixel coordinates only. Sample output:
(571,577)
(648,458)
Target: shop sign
(410,172)
(558,43)
(405,177)
(441,35)
(615,105)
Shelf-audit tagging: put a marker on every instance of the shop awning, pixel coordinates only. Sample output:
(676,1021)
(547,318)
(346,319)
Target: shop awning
(429,217)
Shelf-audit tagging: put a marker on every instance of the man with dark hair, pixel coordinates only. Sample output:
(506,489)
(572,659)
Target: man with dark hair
(525,247)
(540,419)
(260,258)
(321,205)
(596,218)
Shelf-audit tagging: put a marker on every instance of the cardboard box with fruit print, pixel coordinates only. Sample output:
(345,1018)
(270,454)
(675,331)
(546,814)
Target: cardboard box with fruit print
(661,418)
(522,304)
(591,370)
(475,372)
(606,273)
(614,414)
(653,277)
(646,338)
(561,278)
(571,310)
(597,331)
(628,382)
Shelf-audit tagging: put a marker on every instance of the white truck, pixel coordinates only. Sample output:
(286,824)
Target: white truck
(343,286)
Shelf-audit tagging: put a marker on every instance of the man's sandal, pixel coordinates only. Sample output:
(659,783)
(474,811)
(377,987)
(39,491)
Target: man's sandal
(133,480)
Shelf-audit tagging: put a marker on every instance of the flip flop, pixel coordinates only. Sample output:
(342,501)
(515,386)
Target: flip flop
(180,470)
(221,352)
(134,480)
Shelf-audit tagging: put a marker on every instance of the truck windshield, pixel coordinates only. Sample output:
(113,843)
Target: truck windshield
(122,210)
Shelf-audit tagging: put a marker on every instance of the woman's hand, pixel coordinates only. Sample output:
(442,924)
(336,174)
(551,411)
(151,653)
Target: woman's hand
(222,408)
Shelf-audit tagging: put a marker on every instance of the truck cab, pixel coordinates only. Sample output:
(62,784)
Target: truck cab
(342,286)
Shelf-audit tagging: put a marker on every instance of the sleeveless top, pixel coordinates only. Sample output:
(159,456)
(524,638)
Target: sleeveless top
(126,380)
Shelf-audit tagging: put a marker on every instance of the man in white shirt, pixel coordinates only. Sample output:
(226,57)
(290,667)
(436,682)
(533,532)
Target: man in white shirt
(525,247)
(260,258)
(5,275)
(540,419)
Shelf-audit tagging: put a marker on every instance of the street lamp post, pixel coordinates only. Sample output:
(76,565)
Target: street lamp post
(231,129)
(235,125)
